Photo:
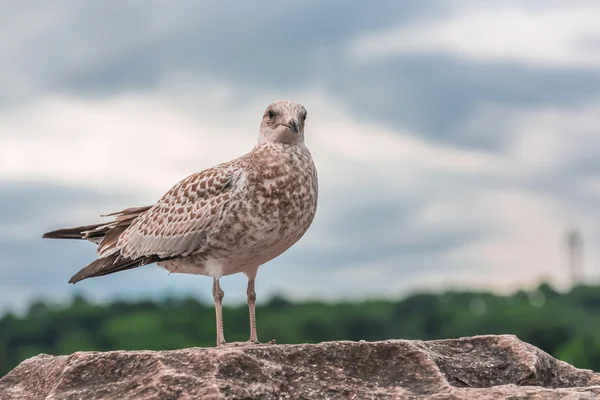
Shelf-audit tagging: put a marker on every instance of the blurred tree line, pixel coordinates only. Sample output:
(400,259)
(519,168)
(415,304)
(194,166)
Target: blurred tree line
(566,325)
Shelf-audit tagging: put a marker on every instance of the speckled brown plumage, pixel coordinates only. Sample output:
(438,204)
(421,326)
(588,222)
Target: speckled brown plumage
(224,220)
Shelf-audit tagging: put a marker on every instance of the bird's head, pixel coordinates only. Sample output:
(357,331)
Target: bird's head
(283,122)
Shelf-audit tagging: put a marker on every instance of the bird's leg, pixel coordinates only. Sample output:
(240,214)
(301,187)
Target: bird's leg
(251,307)
(218,295)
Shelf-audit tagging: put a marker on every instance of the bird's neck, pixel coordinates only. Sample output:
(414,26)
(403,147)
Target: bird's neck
(281,138)
(268,147)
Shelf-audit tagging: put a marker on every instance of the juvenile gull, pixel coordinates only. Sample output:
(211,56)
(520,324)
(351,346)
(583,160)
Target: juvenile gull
(227,219)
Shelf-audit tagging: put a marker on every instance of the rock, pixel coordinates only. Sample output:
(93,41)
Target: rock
(481,367)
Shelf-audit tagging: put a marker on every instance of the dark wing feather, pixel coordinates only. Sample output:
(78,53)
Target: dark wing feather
(71,233)
(111,264)
(106,236)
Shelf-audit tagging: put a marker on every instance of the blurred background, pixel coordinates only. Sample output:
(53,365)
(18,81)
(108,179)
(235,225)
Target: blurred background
(457,145)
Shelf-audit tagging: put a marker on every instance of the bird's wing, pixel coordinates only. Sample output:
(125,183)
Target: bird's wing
(177,225)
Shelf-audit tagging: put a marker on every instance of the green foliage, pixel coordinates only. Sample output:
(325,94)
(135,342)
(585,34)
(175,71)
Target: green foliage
(564,325)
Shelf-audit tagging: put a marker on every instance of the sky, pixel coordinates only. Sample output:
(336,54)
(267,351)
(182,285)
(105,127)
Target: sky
(456,141)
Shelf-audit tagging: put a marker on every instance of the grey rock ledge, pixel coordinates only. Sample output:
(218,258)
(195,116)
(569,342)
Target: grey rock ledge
(480,367)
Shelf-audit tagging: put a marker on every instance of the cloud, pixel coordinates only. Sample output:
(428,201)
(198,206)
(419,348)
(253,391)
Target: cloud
(556,35)
(128,140)
(551,153)
(67,47)
(65,50)
(528,241)
(148,142)
(30,209)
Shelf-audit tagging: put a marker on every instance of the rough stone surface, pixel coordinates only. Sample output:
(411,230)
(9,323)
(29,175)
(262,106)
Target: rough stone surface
(481,367)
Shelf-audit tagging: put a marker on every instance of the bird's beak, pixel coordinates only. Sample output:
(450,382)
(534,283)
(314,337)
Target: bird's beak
(294,125)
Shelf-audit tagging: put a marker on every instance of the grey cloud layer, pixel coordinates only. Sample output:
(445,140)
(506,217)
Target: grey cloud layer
(113,47)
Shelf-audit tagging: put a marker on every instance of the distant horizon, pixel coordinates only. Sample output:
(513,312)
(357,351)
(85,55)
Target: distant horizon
(265,299)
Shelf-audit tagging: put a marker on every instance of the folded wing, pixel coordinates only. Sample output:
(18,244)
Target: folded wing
(174,227)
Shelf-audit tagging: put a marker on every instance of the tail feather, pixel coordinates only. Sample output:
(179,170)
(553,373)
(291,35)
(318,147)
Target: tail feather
(71,233)
(106,236)
(110,265)
(98,232)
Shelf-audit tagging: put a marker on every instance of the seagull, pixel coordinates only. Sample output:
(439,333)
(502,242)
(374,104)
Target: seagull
(224,220)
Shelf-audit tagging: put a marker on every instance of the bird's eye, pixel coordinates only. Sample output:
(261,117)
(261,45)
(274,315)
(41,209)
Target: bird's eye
(303,117)
(270,114)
